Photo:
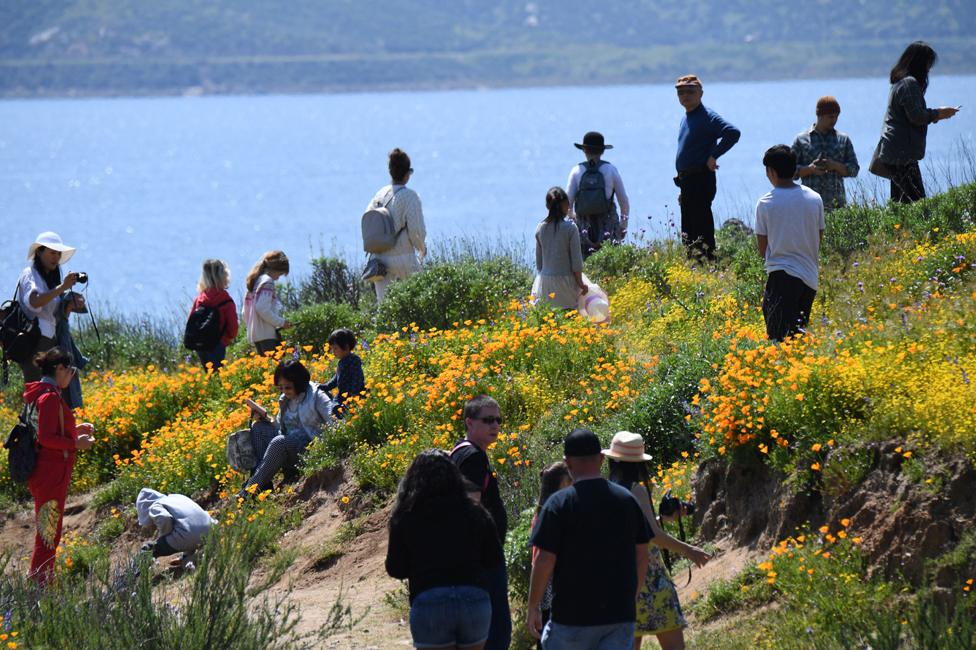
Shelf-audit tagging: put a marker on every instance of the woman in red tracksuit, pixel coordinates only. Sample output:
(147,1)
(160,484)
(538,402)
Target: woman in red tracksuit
(57,439)
(214,280)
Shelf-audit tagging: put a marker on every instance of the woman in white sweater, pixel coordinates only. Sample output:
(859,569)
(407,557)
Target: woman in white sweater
(262,309)
(402,260)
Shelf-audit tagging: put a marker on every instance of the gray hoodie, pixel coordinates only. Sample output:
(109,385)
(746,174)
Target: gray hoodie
(177,518)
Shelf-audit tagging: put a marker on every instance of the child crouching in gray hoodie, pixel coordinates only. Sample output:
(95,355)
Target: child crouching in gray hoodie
(181,523)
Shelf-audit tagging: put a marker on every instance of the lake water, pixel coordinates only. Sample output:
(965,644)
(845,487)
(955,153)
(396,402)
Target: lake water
(147,188)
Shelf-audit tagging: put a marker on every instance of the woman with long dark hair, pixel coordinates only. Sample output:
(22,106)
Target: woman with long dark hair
(558,256)
(658,609)
(58,438)
(443,544)
(47,296)
(906,122)
(551,480)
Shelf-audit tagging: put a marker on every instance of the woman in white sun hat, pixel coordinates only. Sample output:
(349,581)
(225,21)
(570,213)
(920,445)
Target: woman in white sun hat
(658,609)
(41,292)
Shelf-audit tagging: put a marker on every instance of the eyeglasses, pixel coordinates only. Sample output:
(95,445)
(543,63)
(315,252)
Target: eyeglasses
(687,91)
(491,419)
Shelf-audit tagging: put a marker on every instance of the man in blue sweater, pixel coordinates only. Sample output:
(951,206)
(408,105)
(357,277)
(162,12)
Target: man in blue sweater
(702,138)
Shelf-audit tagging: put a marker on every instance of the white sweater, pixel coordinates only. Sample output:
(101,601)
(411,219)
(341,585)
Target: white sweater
(405,208)
(262,311)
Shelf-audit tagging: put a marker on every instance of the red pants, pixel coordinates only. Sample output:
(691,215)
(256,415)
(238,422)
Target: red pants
(49,487)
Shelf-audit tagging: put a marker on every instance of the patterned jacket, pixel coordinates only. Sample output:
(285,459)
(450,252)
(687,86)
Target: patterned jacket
(808,146)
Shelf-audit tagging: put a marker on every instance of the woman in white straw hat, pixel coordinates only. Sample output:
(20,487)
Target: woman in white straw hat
(40,291)
(658,609)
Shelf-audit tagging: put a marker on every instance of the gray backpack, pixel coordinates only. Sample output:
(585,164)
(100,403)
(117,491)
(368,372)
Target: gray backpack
(591,197)
(379,231)
(241,455)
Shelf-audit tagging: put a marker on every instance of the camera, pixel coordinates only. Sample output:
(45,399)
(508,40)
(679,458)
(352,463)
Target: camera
(671,505)
(82,277)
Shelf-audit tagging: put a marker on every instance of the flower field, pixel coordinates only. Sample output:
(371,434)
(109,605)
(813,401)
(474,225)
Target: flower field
(890,355)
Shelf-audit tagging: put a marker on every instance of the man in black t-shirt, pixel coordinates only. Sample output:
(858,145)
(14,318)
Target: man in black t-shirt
(482,420)
(592,539)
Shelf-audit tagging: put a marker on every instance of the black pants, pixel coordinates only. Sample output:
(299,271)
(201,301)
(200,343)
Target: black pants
(697,221)
(906,183)
(786,305)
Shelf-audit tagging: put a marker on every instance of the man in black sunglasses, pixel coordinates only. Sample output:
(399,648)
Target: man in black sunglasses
(482,420)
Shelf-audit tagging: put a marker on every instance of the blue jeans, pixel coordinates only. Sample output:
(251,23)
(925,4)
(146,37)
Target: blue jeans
(214,356)
(500,635)
(449,616)
(618,636)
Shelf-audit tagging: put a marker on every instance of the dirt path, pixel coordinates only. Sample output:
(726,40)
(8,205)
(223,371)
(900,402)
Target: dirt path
(337,554)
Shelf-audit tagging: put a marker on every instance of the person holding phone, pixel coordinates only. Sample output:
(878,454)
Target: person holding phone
(825,156)
(303,413)
(58,439)
(906,122)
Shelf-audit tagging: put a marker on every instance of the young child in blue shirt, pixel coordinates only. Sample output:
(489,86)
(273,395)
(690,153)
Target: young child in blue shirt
(348,380)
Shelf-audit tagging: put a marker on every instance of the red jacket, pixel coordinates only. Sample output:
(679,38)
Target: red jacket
(227,312)
(54,443)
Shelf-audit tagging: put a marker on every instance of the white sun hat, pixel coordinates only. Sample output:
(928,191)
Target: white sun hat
(53,241)
(627,447)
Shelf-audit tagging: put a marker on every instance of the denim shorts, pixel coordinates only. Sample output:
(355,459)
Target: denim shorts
(449,616)
(616,636)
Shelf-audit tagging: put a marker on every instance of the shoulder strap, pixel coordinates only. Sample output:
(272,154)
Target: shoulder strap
(219,305)
(459,446)
(468,443)
(392,194)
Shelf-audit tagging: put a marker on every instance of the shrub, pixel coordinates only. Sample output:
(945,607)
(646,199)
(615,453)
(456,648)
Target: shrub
(124,342)
(331,281)
(612,266)
(445,294)
(314,323)
(659,413)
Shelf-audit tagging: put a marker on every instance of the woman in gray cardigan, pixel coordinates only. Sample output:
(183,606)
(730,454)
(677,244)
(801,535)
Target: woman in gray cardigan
(558,256)
(906,122)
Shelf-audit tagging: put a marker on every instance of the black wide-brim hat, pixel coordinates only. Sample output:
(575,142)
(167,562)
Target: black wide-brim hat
(593,140)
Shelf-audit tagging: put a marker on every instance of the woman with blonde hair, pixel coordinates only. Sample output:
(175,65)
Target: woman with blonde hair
(214,299)
(262,309)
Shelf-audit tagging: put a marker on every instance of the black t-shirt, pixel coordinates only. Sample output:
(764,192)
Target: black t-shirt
(473,464)
(593,527)
(443,544)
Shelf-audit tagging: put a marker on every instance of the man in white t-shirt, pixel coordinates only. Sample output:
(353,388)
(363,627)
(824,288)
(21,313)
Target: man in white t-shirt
(789,229)
(591,196)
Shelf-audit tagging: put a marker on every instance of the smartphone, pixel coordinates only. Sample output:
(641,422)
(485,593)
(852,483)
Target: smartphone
(257,408)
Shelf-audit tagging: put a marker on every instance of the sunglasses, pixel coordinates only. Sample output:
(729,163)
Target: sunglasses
(687,91)
(491,419)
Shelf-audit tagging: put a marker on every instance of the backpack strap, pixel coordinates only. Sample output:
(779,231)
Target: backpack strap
(468,443)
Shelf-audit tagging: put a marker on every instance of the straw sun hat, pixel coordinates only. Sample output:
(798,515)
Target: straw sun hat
(627,447)
(53,241)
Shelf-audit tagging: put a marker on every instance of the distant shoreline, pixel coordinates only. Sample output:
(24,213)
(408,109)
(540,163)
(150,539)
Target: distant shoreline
(344,89)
